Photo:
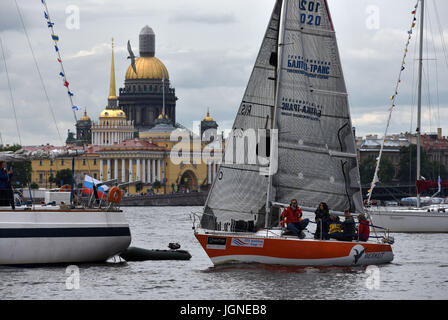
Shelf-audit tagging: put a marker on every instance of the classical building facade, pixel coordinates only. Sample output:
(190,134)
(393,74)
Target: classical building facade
(132,139)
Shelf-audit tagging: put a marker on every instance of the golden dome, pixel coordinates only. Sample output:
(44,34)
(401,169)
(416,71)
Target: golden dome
(85,116)
(148,68)
(113,113)
(208,118)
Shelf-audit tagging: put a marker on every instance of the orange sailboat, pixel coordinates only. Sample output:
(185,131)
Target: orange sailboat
(292,139)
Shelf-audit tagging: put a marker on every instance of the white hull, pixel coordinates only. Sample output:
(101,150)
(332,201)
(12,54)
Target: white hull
(54,236)
(411,219)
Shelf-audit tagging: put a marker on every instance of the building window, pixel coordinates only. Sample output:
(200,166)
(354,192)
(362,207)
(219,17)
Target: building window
(51,162)
(94,162)
(83,162)
(95,176)
(40,163)
(41,177)
(62,162)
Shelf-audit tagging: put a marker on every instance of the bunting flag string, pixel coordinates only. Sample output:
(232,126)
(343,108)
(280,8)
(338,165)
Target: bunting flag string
(55,38)
(393,99)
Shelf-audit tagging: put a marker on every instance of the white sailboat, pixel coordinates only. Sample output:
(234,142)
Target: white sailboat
(432,218)
(60,234)
(297,95)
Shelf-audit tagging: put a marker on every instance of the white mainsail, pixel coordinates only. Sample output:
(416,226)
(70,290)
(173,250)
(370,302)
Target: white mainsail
(317,152)
(316,147)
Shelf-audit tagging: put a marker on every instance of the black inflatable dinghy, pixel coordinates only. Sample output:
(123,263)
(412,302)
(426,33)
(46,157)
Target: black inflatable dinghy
(139,254)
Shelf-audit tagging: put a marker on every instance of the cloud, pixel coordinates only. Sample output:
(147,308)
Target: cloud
(209,48)
(223,18)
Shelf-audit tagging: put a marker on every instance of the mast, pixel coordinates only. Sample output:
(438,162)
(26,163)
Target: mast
(419,114)
(273,154)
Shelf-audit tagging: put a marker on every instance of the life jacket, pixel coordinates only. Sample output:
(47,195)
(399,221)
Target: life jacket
(335,227)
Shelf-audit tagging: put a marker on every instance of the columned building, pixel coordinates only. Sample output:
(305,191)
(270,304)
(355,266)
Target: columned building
(147,89)
(131,161)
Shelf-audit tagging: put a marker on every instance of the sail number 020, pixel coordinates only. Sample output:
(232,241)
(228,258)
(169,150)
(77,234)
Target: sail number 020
(310,19)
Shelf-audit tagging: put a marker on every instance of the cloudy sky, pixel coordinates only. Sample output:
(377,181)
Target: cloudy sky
(209,47)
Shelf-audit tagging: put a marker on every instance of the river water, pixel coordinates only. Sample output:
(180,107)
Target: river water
(419,271)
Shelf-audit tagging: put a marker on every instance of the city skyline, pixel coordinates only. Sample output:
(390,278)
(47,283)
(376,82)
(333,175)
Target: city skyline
(209,49)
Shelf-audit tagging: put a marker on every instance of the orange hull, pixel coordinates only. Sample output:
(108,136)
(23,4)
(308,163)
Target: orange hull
(244,248)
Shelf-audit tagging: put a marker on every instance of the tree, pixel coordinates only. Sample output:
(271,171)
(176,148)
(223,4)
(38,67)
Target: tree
(34,186)
(157,185)
(408,166)
(367,169)
(63,176)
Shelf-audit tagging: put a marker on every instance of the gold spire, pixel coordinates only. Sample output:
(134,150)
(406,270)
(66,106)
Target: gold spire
(112,91)
(208,118)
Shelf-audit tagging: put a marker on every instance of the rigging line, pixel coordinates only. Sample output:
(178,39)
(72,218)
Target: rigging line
(391,109)
(436,71)
(442,36)
(10,92)
(38,71)
(51,29)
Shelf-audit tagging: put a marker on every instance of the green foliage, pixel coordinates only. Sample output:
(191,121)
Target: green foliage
(367,170)
(64,175)
(157,185)
(408,166)
(34,186)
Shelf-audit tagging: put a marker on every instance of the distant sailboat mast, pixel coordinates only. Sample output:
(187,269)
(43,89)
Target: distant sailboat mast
(419,112)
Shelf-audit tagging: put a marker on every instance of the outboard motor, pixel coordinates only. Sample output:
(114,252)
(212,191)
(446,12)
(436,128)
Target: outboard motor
(174,246)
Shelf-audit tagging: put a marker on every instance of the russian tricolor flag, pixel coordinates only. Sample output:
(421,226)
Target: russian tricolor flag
(87,187)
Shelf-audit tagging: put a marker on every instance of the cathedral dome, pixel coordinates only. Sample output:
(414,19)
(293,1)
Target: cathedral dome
(148,68)
(113,113)
(208,117)
(85,117)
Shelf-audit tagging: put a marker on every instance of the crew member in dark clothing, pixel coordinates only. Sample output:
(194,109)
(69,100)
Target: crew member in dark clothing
(322,218)
(6,192)
(348,228)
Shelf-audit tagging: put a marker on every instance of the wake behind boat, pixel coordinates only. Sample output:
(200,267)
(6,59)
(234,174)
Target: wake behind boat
(296,105)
